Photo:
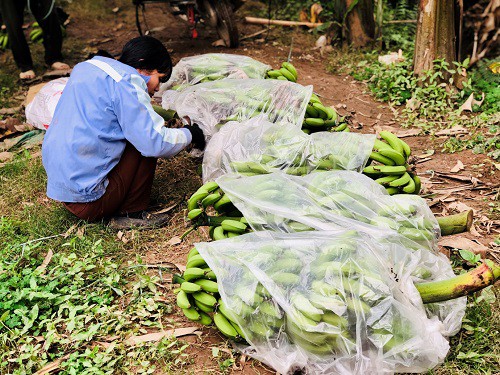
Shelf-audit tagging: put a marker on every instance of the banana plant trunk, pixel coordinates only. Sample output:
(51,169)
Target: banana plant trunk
(462,285)
(435,37)
(360,22)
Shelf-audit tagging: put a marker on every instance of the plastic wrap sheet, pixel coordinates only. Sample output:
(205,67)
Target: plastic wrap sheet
(256,146)
(212,104)
(214,66)
(329,200)
(330,302)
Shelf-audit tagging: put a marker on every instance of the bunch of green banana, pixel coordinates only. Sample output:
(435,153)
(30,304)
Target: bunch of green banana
(4,40)
(287,72)
(209,197)
(321,118)
(392,171)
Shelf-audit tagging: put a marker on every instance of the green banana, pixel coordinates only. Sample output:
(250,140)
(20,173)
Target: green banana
(341,128)
(311,111)
(224,326)
(202,307)
(390,170)
(323,113)
(377,156)
(286,73)
(192,252)
(189,287)
(392,190)
(183,300)
(193,273)
(393,140)
(379,145)
(208,285)
(274,74)
(192,314)
(402,181)
(205,298)
(238,329)
(219,234)
(195,199)
(398,158)
(210,200)
(303,305)
(196,261)
(314,122)
(222,203)
(410,187)
(288,66)
(406,148)
(384,181)
(195,213)
(418,184)
(205,319)
(210,186)
(233,226)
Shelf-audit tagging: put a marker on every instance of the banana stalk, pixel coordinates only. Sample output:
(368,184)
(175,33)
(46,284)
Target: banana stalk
(462,285)
(454,224)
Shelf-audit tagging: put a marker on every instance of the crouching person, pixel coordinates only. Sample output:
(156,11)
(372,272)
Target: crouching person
(101,148)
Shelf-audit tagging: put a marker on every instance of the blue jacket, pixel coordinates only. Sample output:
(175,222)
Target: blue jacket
(104,105)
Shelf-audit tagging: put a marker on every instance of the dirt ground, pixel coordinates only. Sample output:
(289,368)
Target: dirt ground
(474,186)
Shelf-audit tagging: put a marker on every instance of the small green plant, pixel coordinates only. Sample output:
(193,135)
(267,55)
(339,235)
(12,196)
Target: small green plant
(64,308)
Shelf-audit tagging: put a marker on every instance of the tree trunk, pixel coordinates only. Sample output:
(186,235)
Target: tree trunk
(435,37)
(360,22)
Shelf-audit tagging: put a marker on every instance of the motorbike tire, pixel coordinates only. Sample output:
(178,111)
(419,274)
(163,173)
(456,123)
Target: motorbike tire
(226,23)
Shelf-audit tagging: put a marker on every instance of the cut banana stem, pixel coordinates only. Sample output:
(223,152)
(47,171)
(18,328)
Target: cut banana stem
(459,286)
(454,224)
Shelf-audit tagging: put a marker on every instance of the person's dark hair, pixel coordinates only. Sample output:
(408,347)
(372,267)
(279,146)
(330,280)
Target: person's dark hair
(148,53)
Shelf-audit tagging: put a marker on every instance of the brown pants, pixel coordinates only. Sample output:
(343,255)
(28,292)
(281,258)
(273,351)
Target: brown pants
(128,191)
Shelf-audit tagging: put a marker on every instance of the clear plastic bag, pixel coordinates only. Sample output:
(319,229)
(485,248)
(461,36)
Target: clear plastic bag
(331,200)
(330,302)
(213,104)
(214,66)
(256,146)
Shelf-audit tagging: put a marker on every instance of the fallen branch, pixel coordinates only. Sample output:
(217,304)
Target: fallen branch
(266,21)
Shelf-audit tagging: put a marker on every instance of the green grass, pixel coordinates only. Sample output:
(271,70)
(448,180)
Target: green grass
(93,289)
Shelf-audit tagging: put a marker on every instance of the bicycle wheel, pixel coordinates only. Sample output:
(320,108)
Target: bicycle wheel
(226,23)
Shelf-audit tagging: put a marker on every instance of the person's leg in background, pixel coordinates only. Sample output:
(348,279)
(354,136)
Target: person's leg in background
(13,17)
(45,14)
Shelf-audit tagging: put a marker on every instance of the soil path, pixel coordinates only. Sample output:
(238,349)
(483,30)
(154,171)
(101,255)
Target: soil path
(178,177)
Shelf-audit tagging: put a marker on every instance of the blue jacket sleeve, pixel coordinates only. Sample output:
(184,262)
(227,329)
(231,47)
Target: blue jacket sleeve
(141,125)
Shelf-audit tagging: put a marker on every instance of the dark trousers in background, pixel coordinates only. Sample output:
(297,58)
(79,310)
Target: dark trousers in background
(129,188)
(13,17)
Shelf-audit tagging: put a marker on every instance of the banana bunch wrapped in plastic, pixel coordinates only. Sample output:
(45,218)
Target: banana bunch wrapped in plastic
(333,298)
(393,171)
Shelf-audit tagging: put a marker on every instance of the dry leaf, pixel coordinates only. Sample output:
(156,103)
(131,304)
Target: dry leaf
(46,261)
(174,241)
(70,231)
(157,336)
(6,156)
(473,230)
(52,366)
(459,206)
(458,167)
(455,130)
(467,106)
(80,232)
(180,267)
(398,131)
(463,243)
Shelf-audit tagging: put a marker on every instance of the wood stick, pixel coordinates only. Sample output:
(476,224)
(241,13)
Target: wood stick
(265,21)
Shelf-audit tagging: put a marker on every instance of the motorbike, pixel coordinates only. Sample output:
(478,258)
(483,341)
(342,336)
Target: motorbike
(218,14)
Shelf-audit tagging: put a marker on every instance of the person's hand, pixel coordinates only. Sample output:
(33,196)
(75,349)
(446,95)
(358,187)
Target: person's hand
(198,138)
